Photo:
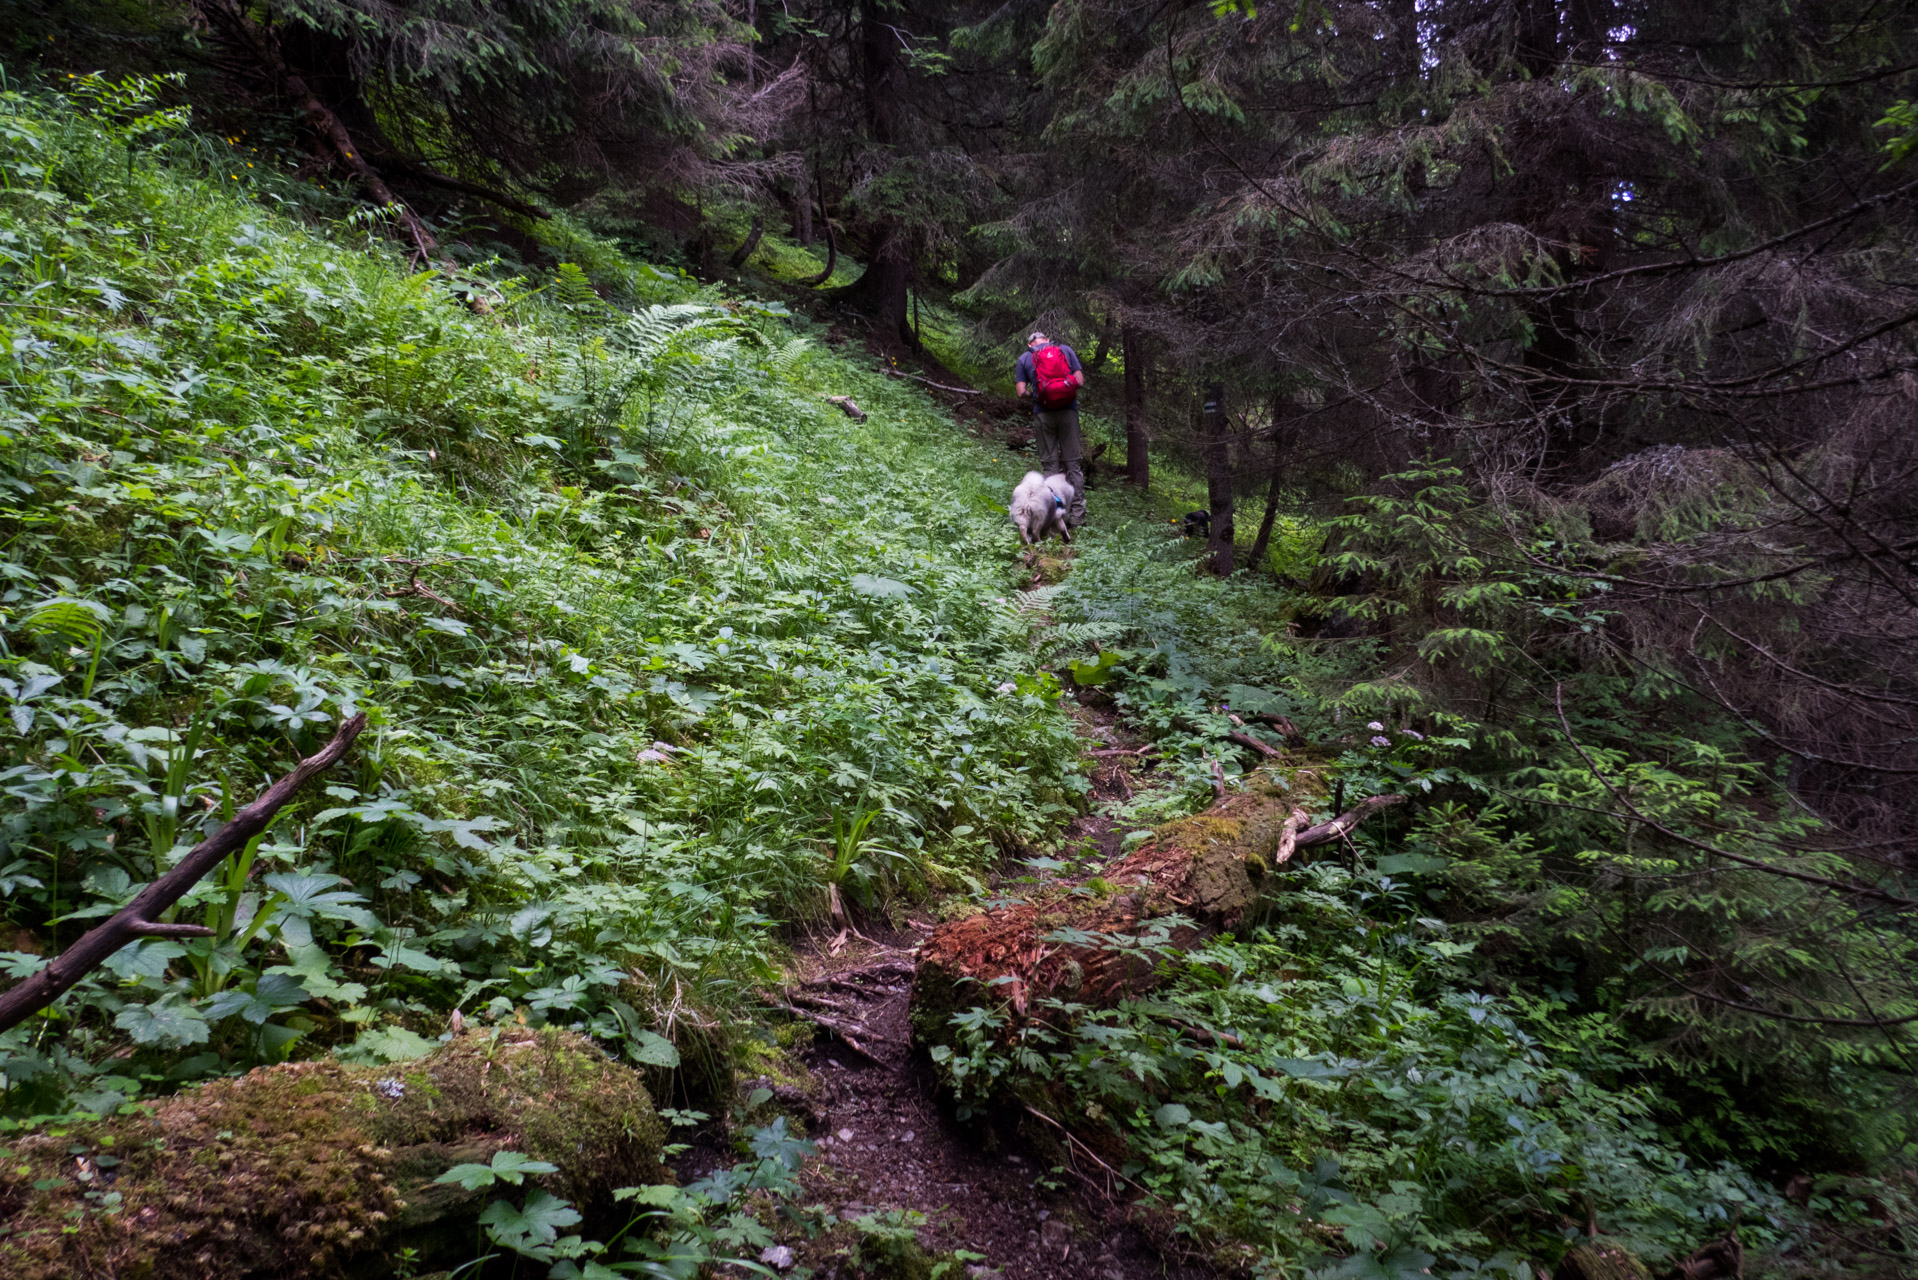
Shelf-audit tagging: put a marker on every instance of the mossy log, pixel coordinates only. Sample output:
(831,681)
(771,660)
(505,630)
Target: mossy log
(319,1169)
(1207,868)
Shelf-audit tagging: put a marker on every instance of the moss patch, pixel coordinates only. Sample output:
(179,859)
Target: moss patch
(315,1168)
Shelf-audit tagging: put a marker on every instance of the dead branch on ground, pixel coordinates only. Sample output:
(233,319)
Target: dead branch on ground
(140,917)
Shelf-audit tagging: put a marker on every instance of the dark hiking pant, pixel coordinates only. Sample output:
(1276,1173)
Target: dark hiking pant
(1062,451)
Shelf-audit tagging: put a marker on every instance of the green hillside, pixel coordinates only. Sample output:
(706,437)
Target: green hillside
(670,663)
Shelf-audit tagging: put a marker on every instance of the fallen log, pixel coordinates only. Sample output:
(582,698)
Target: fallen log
(1265,749)
(847,407)
(316,1169)
(1079,940)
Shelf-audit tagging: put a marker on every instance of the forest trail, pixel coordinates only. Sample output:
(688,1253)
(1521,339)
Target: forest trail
(888,1140)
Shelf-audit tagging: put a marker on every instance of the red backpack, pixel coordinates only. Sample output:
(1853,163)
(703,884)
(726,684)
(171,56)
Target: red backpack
(1052,378)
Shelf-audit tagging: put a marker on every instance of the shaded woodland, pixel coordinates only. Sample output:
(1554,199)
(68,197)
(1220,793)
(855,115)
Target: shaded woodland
(1549,369)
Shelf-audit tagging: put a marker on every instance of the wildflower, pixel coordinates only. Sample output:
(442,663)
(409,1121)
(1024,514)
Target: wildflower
(1414,734)
(1380,740)
(1376,727)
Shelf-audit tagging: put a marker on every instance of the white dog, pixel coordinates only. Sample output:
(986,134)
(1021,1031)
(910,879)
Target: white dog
(1039,507)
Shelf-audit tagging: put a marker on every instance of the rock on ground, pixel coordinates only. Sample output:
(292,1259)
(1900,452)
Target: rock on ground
(320,1169)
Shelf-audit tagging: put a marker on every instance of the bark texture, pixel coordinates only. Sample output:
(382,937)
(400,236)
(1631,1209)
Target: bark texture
(1207,869)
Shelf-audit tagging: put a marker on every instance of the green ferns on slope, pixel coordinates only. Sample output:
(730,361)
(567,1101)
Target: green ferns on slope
(635,614)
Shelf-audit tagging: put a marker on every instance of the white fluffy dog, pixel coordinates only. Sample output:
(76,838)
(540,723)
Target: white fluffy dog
(1039,508)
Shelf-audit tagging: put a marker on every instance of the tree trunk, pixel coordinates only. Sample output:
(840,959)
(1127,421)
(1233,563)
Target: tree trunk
(802,215)
(1216,442)
(1260,543)
(745,251)
(832,259)
(1138,431)
(328,129)
(881,291)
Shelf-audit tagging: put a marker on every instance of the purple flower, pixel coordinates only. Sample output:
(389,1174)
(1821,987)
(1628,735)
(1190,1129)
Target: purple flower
(1376,727)
(1413,733)
(1380,740)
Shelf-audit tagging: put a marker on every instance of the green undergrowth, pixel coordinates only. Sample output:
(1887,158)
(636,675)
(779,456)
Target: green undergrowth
(638,619)
(1451,1045)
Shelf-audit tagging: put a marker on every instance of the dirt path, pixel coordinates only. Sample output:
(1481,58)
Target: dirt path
(888,1139)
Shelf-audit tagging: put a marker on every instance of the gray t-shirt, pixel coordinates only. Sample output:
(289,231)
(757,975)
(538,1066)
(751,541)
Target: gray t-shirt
(1027,376)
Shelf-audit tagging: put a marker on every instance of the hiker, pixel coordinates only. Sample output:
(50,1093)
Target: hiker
(1050,372)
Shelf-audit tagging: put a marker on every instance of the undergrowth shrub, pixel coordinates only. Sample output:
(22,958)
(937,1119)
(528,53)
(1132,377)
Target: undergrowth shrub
(635,615)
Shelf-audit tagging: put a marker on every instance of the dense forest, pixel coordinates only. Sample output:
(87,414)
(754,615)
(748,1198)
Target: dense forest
(536,751)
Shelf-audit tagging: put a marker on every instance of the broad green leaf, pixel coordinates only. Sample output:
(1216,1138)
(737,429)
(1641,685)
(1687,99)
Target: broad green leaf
(649,1048)
(165,1024)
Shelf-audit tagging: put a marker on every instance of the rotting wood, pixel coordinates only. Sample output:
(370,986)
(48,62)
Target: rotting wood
(1265,749)
(847,407)
(140,917)
(320,1170)
(1077,940)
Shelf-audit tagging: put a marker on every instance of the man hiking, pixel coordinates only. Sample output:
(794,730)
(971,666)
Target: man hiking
(1050,372)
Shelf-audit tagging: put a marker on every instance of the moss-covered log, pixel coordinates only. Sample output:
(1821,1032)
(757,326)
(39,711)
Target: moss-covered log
(1068,941)
(318,1169)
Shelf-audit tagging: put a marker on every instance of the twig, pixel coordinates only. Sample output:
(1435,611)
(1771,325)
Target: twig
(1757,864)
(138,918)
(838,1028)
(901,373)
(1148,749)
(415,587)
(1218,779)
(1074,1140)
(851,1010)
